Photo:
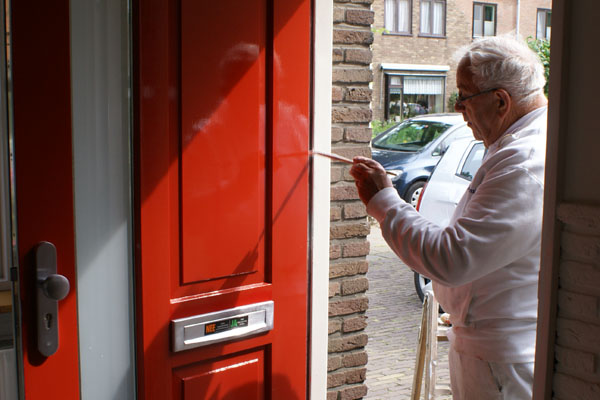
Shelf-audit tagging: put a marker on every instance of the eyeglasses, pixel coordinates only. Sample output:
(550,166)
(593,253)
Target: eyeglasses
(460,100)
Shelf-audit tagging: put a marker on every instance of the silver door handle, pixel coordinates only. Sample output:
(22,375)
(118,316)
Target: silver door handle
(51,287)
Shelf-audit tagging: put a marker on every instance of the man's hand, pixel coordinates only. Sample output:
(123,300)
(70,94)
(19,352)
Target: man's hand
(370,178)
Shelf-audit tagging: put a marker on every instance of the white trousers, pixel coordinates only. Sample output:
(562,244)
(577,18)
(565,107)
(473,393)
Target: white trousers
(475,379)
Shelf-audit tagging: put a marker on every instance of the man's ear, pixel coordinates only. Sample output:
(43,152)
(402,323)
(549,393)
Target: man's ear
(504,102)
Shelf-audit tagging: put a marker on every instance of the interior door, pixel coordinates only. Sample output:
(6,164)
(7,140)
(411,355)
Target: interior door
(44,190)
(222,136)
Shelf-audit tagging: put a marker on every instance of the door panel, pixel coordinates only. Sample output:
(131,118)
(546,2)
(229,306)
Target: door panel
(222,117)
(222,135)
(44,185)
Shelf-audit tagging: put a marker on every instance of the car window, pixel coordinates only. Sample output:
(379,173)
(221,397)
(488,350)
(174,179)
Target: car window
(459,133)
(410,135)
(472,162)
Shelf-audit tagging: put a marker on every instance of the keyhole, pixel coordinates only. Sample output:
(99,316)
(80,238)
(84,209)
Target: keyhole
(48,321)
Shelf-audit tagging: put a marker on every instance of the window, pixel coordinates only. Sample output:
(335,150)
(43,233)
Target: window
(543,24)
(410,95)
(433,17)
(398,16)
(484,19)
(473,162)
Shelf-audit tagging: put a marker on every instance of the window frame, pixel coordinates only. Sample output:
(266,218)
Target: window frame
(431,3)
(546,11)
(483,5)
(395,30)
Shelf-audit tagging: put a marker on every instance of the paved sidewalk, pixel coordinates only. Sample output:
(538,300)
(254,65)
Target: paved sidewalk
(394,316)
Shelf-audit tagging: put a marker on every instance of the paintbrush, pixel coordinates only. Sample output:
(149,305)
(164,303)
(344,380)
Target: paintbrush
(341,159)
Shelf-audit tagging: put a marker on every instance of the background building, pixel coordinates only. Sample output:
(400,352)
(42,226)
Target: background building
(415,42)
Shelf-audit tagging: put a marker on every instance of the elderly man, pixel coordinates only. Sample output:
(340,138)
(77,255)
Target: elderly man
(485,264)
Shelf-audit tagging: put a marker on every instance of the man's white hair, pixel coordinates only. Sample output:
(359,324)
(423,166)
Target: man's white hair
(508,63)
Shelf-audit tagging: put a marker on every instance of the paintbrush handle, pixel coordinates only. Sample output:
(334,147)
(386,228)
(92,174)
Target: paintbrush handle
(341,159)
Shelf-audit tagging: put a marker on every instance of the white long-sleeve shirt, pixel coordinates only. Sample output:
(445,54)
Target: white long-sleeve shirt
(485,264)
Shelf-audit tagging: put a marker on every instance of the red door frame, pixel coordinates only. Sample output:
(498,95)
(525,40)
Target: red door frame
(41,84)
(159,299)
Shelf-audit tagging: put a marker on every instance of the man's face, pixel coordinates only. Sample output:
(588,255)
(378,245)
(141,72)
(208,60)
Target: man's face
(478,111)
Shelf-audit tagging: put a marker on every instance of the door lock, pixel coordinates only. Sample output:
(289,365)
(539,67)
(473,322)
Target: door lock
(50,289)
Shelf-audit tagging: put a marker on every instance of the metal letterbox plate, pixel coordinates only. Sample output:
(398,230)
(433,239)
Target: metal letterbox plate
(234,323)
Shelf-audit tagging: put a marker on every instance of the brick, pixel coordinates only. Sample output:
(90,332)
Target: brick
(344,191)
(347,343)
(577,335)
(575,305)
(358,134)
(334,288)
(359,17)
(355,359)
(334,362)
(354,210)
(353,151)
(344,36)
(335,213)
(358,56)
(338,14)
(568,387)
(358,94)
(353,392)
(337,94)
(350,114)
(353,286)
(348,306)
(569,360)
(355,248)
(351,229)
(348,376)
(580,247)
(351,75)
(354,324)
(362,1)
(335,325)
(343,267)
(582,217)
(337,173)
(336,379)
(335,251)
(337,55)
(580,277)
(337,134)
(356,375)
(332,395)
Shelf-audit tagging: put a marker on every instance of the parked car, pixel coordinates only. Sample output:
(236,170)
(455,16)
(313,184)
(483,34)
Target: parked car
(412,148)
(448,182)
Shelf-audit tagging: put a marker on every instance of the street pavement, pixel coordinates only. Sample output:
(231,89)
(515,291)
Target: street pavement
(393,318)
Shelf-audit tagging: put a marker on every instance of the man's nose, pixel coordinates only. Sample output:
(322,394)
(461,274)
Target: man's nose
(458,106)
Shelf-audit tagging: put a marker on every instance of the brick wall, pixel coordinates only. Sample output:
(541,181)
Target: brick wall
(412,49)
(577,348)
(349,247)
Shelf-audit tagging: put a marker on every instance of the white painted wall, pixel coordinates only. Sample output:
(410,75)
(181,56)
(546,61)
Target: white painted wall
(568,349)
(321,136)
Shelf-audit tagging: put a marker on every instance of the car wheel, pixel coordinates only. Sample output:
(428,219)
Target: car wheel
(413,193)
(420,283)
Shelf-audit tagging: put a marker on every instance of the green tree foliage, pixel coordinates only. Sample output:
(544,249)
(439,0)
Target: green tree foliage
(452,101)
(379,126)
(542,49)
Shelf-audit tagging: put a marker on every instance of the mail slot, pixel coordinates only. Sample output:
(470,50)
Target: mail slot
(215,327)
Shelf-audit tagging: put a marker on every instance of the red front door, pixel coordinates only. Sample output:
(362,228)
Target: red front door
(44,186)
(222,134)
